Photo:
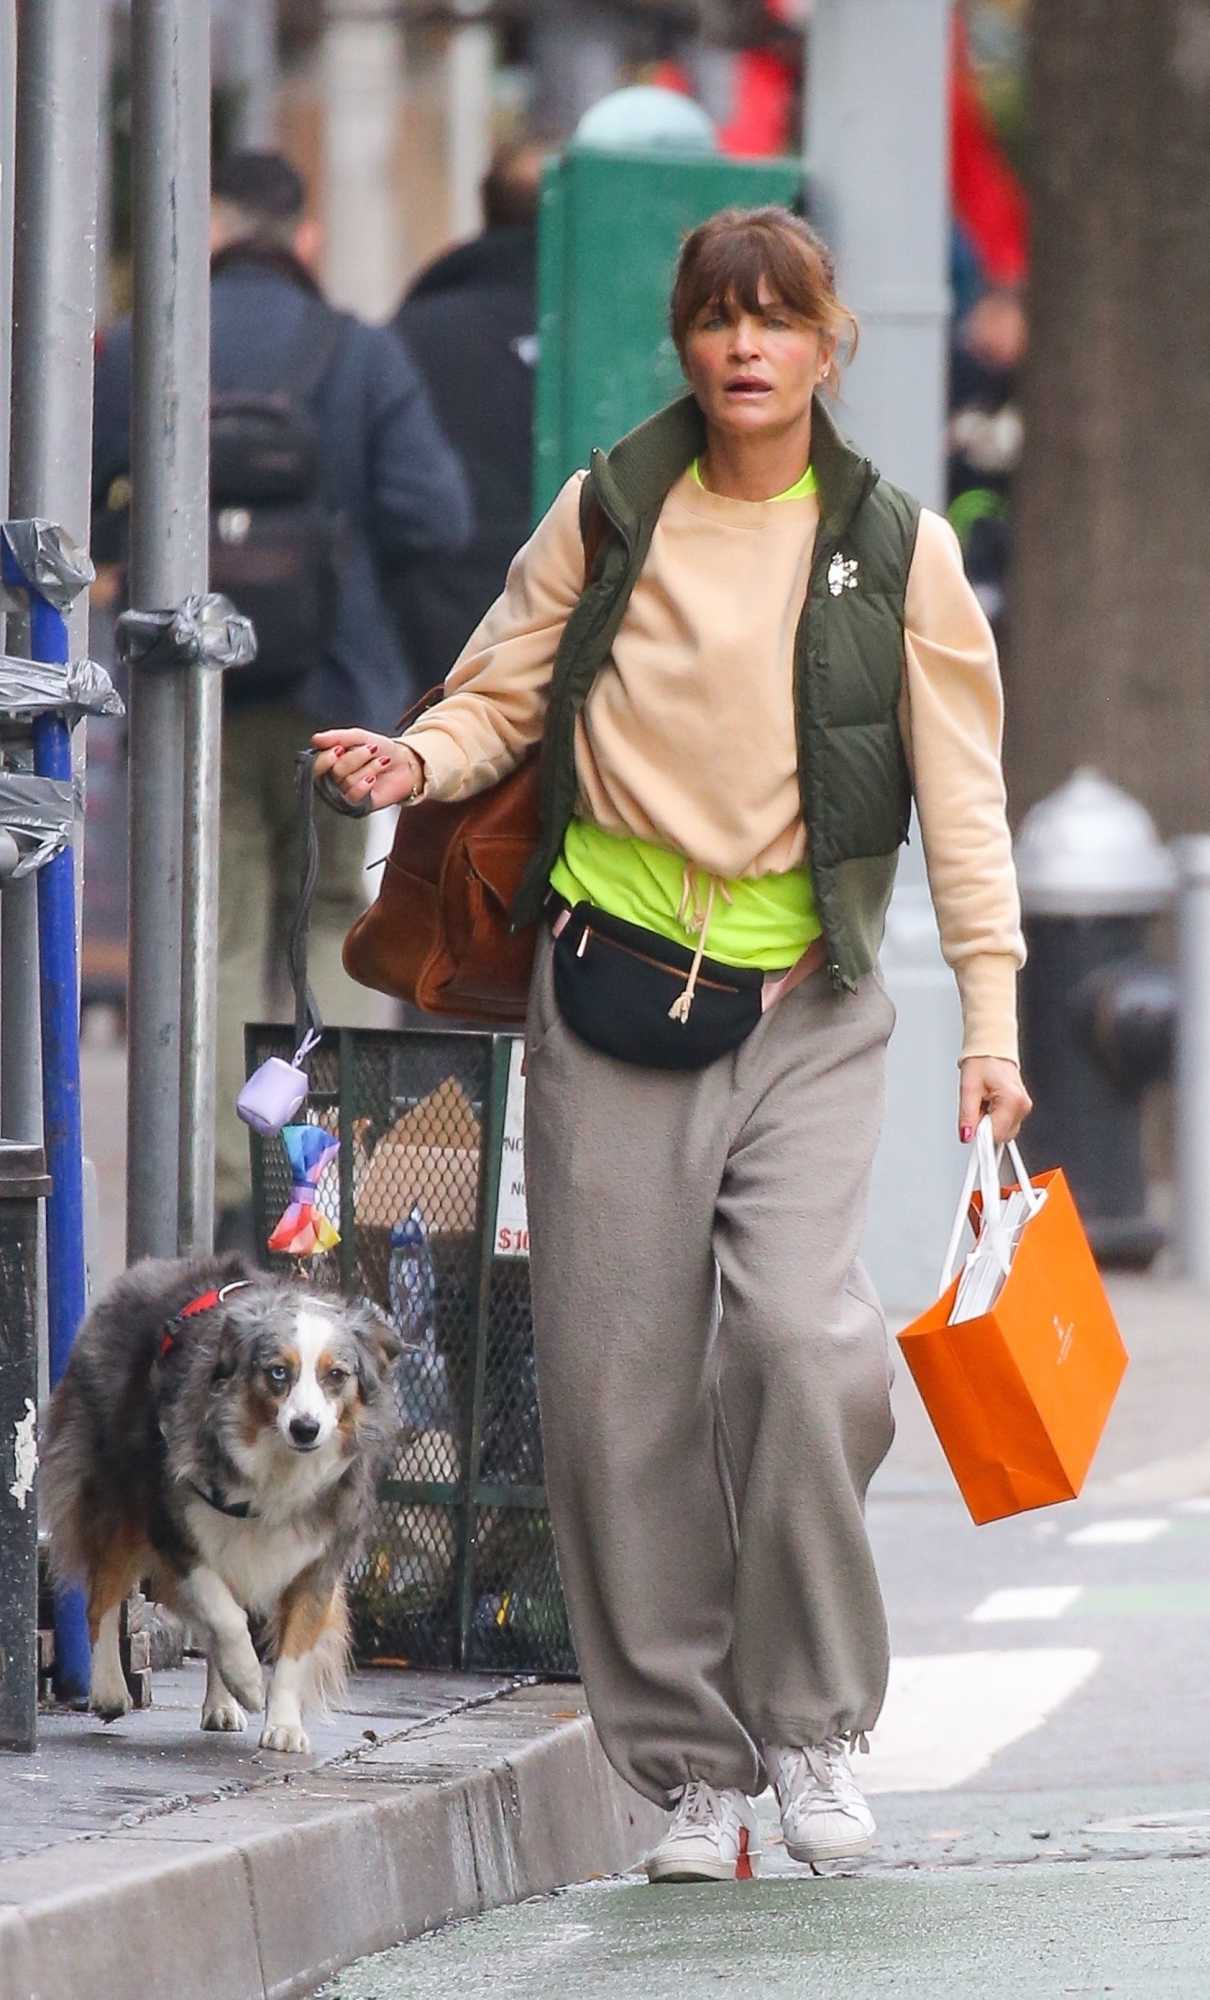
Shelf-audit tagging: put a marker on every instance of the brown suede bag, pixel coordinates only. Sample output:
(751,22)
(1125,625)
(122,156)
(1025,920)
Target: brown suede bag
(437,933)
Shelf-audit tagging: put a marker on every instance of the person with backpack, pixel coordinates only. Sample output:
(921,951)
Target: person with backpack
(328,465)
(774,652)
(470,323)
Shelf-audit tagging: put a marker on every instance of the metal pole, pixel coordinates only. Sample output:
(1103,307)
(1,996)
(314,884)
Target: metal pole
(8,121)
(251,40)
(22,1184)
(55,125)
(577,58)
(54,286)
(174,713)
(363,81)
(105,42)
(877,169)
(878,184)
(1193,1057)
(470,62)
(20,1058)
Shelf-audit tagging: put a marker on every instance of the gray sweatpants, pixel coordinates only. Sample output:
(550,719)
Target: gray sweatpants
(707,1469)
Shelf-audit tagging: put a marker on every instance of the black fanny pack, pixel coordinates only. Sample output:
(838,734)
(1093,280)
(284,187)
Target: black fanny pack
(617,986)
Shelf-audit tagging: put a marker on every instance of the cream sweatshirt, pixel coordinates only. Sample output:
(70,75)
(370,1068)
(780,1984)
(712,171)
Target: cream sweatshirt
(687,737)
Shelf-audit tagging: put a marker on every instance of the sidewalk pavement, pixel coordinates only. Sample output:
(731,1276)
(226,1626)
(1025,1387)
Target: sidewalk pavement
(158,1861)
(148,1859)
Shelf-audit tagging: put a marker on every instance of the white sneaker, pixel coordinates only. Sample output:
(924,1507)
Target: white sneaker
(713,1838)
(823,1814)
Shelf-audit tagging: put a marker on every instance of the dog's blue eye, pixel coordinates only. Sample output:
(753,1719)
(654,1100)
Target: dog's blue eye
(279,1376)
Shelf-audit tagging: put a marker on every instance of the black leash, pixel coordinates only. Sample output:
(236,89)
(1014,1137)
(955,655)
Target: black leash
(308,1021)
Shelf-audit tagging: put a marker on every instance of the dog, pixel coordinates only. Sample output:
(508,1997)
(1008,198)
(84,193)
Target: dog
(218,1433)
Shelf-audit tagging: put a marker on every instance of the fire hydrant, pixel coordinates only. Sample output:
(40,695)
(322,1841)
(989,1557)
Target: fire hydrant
(1097,1013)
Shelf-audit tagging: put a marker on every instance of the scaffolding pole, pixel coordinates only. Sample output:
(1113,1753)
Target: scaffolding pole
(8,123)
(362,68)
(54,308)
(174,711)
(251,48)
(49,136)
(877,157)
(470,62)
(20,1048)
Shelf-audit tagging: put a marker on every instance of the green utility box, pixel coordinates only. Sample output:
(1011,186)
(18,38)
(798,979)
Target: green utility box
(611,227)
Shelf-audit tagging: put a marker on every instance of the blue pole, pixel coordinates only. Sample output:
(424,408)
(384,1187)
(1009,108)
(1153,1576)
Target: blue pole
(60,1008)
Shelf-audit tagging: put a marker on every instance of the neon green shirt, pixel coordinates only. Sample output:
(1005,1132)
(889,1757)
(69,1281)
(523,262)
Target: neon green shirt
(764,922)
(802,489)
(768,924)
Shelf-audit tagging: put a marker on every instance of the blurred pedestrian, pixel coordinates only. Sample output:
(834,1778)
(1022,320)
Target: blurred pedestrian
(470,324)
(984,437)
(775,649)
(326,461)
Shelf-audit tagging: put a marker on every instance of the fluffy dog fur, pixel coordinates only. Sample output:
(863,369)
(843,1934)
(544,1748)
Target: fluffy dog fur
(232,1466)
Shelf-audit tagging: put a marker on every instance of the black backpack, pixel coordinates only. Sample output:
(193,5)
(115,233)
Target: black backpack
(274,542)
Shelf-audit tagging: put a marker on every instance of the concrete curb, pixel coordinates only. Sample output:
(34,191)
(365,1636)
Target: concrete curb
(265,1895)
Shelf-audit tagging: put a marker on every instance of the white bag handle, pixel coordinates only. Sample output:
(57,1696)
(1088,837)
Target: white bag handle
(985,1168)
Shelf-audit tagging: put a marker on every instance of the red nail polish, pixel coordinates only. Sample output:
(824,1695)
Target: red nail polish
(968,1133)
(386,762)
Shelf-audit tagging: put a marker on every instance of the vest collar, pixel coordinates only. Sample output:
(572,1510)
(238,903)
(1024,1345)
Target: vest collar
(633,480)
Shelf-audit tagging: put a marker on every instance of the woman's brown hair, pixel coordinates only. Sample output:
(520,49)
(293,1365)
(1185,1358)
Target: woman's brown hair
(722,263)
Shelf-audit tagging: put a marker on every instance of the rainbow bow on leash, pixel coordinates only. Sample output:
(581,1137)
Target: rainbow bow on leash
(303,1230)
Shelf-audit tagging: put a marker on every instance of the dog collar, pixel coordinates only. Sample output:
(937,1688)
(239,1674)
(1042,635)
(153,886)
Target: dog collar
(235,1510)
(203,1303)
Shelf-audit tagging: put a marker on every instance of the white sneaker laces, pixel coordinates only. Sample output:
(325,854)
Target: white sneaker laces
(698,1805)
(828,1764)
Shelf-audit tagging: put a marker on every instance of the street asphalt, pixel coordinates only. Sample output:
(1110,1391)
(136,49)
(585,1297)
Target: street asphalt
(1041,1773)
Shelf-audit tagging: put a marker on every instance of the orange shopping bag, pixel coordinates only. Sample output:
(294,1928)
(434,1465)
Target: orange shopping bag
(1018,1394)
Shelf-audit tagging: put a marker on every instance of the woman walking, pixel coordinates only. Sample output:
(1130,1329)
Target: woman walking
(744,653)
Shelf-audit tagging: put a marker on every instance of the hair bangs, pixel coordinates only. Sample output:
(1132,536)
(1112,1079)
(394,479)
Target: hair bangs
(730,275)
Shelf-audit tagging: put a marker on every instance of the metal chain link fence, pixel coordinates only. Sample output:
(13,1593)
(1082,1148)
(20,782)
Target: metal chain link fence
(459,1568)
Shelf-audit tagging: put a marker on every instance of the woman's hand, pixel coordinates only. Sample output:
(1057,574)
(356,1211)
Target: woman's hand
(362,763)
(989,1084)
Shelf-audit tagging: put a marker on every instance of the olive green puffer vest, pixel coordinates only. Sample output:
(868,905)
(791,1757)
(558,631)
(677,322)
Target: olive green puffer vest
(848,668)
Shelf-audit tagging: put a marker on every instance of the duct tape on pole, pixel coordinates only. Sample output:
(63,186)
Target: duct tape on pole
(878,188)
(1192,856)
(174,716)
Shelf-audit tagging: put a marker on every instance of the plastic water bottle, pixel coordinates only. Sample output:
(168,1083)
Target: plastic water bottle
(422,1379)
